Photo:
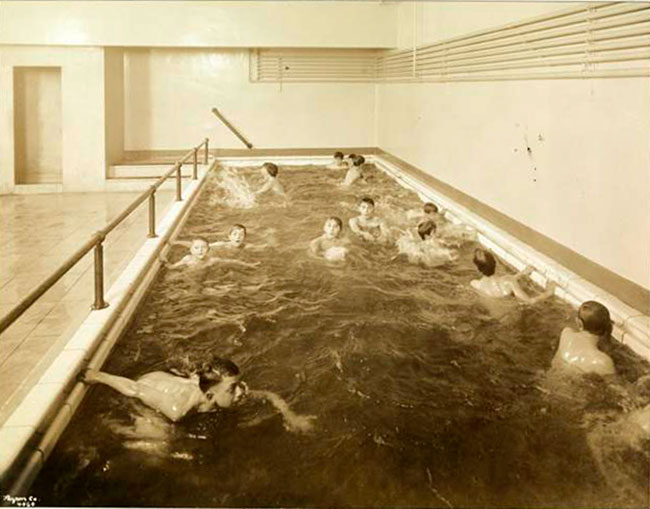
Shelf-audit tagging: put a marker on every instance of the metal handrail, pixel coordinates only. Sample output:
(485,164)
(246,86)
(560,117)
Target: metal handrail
(232,128)
(97,239)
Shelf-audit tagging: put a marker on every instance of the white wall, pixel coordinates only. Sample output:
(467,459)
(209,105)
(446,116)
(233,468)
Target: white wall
(586,180)
(82,91)
(169,94)
(199,23)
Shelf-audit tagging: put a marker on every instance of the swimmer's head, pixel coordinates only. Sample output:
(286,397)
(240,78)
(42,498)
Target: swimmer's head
(430,208)
(228,389)
(426,229)
(594,318)
(200,247)
(366,206)
(485,262)
(358,160)
(270,169)
(338,157)
(237,234)
(332,227)
(350,160)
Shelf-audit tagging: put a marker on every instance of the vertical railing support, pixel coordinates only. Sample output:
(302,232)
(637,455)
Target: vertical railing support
(152,213)
(205,161)
(179,196)
(100,303)
(195,161)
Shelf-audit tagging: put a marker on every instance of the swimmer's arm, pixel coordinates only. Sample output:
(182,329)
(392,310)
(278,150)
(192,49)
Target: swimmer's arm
(150,396)
(354,225)
(385,231)
(526,271)
(527,299)
(315,246)
(218,243)
(183,262)
(265,188)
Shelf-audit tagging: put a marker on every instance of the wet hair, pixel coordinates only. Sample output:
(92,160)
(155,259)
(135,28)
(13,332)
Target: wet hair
(426,228)
(358,160)
(214,369)
(271,169)
(337,220)
(595,318)
(200,239)
(485,262)
(352,156)
(430,208)
(338,155)
(238,226)
(367,200)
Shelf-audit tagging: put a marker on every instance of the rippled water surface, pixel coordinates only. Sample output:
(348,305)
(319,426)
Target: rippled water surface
(423,395)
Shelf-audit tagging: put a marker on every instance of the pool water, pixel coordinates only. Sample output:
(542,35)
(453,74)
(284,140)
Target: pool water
(423,395)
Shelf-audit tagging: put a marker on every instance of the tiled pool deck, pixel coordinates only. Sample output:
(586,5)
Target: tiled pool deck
(38,232)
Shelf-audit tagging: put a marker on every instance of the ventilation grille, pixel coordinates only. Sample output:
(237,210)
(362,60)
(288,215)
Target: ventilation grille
(302,65)
(597,40)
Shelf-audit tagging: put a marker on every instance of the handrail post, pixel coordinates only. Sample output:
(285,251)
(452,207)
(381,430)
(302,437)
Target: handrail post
(195,162)
(152,213)
(206,152)
(179,196)
(100,303)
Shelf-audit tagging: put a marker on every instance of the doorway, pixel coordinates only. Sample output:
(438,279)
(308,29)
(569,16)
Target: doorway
(37,125)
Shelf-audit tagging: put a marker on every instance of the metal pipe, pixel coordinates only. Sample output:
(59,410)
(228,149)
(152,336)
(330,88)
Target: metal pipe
(152,213)
(99,274)
(232,129)
(179,196)
(24,304)
(195,163)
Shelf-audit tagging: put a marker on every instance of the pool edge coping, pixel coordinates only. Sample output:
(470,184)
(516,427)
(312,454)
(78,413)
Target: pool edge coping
(32,429)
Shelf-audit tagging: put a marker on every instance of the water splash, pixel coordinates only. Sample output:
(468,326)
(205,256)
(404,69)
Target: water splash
(237,192)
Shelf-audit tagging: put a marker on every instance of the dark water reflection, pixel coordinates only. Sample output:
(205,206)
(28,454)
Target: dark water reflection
(423,398)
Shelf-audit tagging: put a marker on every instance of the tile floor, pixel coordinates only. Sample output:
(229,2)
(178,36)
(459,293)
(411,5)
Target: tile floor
(37,233)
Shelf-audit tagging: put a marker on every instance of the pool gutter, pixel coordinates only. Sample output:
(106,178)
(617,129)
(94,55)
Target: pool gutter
(631,327)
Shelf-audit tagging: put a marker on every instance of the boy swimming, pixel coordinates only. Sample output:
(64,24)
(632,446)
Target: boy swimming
(503,286)
(429,211)
(198,257)
(338,163)
(354,173)
(176,396)
(271,183)
(331,245)
(366,226)
(448,233)
(578,348)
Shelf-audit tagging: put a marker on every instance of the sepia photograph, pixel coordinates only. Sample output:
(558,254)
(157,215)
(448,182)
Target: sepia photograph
(325,254)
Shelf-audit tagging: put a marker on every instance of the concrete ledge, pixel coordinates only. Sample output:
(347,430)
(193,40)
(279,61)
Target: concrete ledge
(631,327)
(31,431)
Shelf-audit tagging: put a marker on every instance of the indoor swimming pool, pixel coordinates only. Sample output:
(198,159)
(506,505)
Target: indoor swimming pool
(422,394)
